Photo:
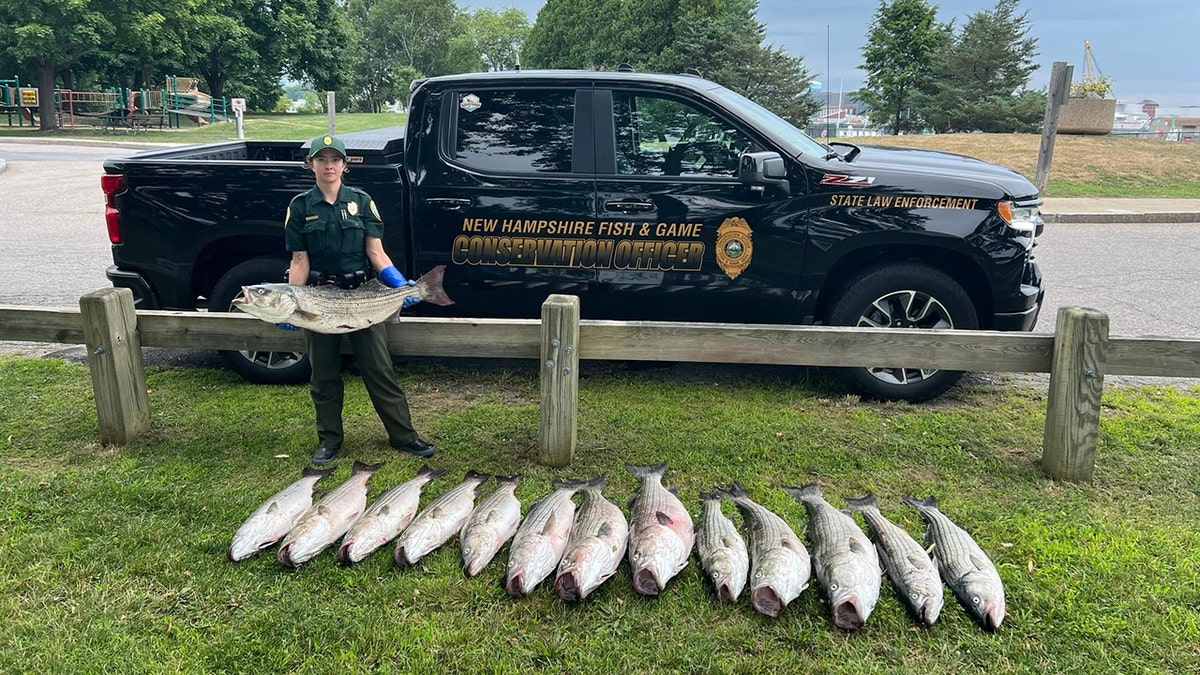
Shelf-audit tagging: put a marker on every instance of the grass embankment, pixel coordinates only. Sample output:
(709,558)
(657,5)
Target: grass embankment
(112,559)
(1084,166)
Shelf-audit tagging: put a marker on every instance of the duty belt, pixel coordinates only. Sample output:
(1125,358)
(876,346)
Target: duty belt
(347,280)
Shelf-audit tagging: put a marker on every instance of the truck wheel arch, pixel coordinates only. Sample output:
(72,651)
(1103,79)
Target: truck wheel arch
(255,366)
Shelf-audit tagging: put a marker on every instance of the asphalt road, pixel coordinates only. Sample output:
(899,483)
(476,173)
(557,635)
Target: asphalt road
(56,248)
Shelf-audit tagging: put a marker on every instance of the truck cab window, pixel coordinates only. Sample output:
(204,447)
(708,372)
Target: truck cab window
(658,136)
(515,130)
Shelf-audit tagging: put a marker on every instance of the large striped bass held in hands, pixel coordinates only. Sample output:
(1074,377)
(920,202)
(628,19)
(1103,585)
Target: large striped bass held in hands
(913,573)
(780,566)
(276,517)
(329,309)
(328,519)
(965,568)
(844,559)
(661,533)
(596,545)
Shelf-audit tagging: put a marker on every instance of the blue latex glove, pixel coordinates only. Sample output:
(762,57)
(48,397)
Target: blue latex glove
(411,300)
(287,326)
(392,277)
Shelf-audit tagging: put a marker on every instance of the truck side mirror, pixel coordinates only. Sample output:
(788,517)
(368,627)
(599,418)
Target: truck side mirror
(762,170)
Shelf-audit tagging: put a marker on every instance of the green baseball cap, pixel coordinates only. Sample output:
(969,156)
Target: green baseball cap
(321,142)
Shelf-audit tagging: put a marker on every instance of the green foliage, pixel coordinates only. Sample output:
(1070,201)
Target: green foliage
(979,79)
(112,558)
(1095,87)
(903,42)
(574,34)
(489,40)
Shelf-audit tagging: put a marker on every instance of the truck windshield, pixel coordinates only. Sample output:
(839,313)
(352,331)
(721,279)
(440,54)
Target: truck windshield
(795,141)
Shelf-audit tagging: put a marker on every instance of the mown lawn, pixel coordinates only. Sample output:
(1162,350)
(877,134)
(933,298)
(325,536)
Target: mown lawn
(112,559)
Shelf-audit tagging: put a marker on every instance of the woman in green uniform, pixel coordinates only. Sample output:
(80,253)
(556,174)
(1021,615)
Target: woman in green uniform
(334,233)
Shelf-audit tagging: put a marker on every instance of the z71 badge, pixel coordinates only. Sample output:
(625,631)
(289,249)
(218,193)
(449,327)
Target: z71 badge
(848,181)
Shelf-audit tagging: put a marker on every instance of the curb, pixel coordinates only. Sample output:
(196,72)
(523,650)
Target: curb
(1122,217)
(3,165)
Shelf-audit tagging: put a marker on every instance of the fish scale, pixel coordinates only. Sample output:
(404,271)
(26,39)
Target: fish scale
(596,545)
(661,533)
(780,566)
(541,540)
(490,525)
(441,519)
(722,551)
(913,573)
(965,568)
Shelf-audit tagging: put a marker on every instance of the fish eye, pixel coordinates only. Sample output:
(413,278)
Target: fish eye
(716,575)
(467,550)
(974,599)
(914,595)
(833,586)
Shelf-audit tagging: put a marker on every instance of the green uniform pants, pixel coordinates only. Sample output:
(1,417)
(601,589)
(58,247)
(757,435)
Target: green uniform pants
(375,365)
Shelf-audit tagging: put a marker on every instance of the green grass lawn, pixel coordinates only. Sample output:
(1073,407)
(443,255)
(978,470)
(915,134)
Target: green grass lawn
(113,558)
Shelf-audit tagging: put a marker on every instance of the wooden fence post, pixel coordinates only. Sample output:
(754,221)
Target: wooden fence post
(1076,382)
(114,354)
(559,380)
(1060,90)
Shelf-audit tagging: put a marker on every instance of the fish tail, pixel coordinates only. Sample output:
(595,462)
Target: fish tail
(867,502)
(713,496)
(807,491)
(598,482)
(927,502)
(363,467)
(645,471)
(472,474)
(502,481)
(736,491)
(568,484)
(428,472)
(313,471)
(429,287)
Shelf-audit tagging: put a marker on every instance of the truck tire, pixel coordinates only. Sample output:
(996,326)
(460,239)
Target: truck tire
(258,367)
(907,295)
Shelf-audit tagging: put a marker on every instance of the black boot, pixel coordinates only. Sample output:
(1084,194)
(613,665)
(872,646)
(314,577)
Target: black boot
(323,455)
(417,447)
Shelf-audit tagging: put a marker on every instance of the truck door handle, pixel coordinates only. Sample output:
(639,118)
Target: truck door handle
(629,206)
(448,203)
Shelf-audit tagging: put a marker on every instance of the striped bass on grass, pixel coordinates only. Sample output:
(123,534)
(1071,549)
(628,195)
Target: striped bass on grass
(385,518)
(780,566)
(912,571)
(330,309)
(440,521)
(541,539)
(276,517)
(964,566)
(661,533)
(722,551)
(596,545)
(328,519)
(844,559)
(490,526)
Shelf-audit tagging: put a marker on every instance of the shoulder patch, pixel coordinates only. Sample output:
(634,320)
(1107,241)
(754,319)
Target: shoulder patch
(374,211)
(287,216)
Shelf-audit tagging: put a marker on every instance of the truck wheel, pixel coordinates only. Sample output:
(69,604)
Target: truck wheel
(255,366)
(907,295)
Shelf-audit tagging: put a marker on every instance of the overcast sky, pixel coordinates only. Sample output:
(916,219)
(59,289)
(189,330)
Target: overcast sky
(1148,48)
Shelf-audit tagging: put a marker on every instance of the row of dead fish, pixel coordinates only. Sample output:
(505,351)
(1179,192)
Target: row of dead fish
(584,545)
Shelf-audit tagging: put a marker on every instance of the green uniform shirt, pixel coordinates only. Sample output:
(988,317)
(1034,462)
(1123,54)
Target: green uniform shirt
(334,235)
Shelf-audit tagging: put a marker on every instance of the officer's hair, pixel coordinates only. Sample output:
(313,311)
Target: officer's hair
(345,170)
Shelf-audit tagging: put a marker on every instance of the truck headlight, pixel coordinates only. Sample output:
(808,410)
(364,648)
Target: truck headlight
(1026,220)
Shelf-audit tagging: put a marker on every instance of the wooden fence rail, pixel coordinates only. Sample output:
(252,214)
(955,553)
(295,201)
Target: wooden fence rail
(1077,356)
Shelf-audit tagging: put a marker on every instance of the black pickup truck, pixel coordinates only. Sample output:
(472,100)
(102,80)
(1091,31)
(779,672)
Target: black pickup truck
(650,196)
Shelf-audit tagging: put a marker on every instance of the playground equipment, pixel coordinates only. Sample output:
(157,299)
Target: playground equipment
(133,110)
(19,101)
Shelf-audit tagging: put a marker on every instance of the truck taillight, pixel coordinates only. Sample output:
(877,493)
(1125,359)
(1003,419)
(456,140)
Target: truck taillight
(112,184)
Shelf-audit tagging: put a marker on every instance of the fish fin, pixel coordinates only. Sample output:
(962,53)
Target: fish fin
(322,509)
(605,530)
(930,549)
(929,502)
(314,471)
(663,519)
(977,562)
(508,480)
(866,502)
(385,509)
(788,544)
(436,512)
(305,314)
(883,538)
(273,508)
(363,467)
(673,491)
(714,496)
(598,482)
(475,475)
(643,471)
(806,491)
(551,522)
(917,561)
(428,472)
(729,543)
(492,516)
(429,287)
(856,546)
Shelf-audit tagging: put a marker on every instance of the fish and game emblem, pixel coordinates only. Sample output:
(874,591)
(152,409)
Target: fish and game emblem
(734,247)
(470,103)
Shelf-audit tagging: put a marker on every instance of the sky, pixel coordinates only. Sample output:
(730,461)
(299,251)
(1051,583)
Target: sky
(1148,48)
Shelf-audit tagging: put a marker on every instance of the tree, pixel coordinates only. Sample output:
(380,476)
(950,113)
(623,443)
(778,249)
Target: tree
(574,34)
(489,40)
(980,79)
(903,41)
(49,36)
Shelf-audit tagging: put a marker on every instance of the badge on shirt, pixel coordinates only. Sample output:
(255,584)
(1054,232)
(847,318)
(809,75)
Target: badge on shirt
(352,207)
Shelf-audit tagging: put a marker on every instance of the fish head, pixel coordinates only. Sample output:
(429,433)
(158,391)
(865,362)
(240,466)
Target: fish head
(421,537)
(270,302)
(244,546)
(479,546)
(983,596)
(779,575)
(925,599)
(582,569)
(656,556)
(304,542)
(529,561)
(727,574)
(363,538)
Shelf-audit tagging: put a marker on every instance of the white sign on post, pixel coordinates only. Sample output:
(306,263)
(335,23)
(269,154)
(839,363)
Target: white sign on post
(239,107)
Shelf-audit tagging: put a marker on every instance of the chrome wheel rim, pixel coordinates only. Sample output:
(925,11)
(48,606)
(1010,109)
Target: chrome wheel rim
(905,309)
(268,360)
